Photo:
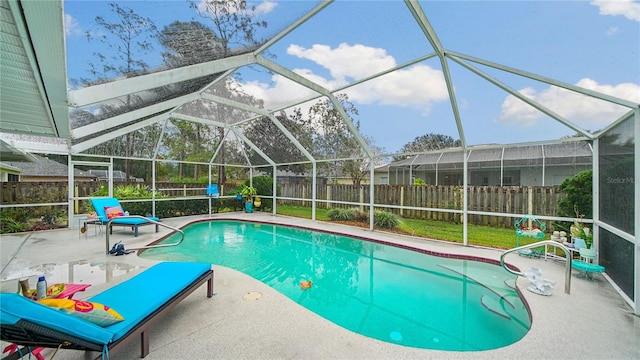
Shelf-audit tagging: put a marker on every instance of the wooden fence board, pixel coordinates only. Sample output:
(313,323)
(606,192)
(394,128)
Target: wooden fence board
(505,199)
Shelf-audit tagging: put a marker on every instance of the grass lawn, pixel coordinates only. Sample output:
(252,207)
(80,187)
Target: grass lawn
(478,235)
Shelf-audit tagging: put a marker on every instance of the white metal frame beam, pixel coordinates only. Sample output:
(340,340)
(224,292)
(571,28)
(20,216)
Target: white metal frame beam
(109,123)
(543,109)
(98,93)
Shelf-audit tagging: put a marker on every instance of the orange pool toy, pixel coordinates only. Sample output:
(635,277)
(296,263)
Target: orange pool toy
(304,285)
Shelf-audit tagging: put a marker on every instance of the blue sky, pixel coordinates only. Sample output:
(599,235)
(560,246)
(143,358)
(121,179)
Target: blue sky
(593,44)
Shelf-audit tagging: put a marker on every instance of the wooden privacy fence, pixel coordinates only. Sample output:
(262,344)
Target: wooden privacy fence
(539,200)
(54,192)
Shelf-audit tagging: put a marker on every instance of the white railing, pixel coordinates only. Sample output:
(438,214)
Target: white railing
(567,275)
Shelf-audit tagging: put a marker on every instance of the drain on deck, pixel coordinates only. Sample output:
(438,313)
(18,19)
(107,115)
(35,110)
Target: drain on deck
(254,295)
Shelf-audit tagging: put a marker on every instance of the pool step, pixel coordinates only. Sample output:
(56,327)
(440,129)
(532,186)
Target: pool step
(494,305)
(490,284)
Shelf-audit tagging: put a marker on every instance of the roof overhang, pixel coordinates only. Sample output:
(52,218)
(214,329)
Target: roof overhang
(10,153)
(33,66)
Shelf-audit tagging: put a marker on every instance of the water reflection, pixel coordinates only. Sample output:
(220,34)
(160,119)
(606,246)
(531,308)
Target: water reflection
(75,272)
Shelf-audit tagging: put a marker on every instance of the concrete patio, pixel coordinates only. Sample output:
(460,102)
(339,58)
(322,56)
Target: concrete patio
(593,322)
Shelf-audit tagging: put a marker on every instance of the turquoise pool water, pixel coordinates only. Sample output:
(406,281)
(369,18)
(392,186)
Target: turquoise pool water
(381,291)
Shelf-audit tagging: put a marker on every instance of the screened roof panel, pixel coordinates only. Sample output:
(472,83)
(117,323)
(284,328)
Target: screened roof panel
(418,92)
(551,32)
(140,143)
(189,141)
(259,86)
(276,145)
(523,152)
(314,48)
(579,112)
(211,111)
(309,47)
(485,158)
(174,34)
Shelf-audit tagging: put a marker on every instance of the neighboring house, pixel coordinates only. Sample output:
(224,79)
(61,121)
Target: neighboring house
(43,170)
(118,176)
(381,175)
(526,165)
(285,177)
(9,173)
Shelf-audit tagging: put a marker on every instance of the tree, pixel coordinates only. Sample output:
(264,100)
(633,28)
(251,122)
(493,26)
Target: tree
(133,36)
(233,23)
(428,142)
(358,168)
(334,140)
(276,145)
(234,30)
(188,43)
(579,195)
(126,55)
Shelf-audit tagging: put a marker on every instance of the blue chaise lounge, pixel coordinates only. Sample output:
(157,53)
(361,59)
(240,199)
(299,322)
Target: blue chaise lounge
(140,300)
(101,206)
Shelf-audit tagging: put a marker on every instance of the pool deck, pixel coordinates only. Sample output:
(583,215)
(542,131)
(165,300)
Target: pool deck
(593,322)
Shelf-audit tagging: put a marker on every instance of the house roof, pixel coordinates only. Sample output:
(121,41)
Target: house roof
(558,153)
(117,175)
(45,167)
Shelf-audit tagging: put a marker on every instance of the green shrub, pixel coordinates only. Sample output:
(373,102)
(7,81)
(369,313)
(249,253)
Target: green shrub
(337,214)
(264,188)
(360,215)
(579,194)
(385,219)
(12,221)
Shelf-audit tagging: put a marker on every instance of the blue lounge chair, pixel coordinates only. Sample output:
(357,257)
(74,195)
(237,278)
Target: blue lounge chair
(100,204)
(141,300)
(214,193)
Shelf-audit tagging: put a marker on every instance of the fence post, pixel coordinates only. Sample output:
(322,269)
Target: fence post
(75,202)
(328,196)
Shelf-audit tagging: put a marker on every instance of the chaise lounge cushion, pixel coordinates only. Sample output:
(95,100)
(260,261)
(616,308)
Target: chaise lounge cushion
(145,293)
(15,308)
(136,300)
(95,313)
(99,205)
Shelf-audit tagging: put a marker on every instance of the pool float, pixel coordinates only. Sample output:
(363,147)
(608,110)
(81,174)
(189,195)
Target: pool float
(304,285)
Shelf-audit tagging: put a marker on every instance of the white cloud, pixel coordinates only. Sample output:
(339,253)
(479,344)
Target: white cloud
(585,111)
(71,26)
(346,62)
(415,87)
(612,30)
(263,7)
(627,8)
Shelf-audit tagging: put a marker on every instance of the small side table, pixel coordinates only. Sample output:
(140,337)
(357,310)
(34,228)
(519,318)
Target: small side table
(97,223)
(82,226)
(72,289)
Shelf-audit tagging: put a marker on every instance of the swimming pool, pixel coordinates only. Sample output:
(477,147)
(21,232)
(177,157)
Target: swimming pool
(381,291)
